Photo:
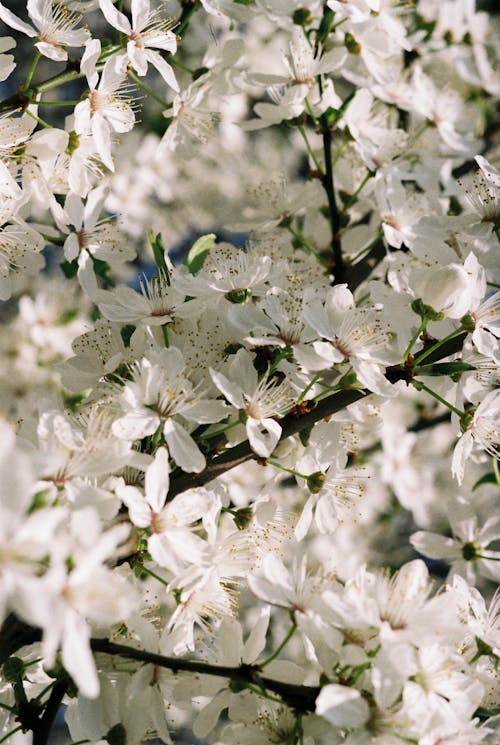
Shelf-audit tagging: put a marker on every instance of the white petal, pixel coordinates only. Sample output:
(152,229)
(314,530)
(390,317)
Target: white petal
(77,657)
(163,68)
(102,138)
(183,448)
(342,706)
(157,480)
(263,436)
(51,51)
(230,390)
(14,22)
(114,17)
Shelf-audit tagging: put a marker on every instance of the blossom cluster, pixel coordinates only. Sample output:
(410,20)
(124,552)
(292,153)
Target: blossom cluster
(250,493)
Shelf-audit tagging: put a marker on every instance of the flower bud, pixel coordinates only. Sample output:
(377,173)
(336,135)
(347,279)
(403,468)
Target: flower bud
(353,47)
(302,16)
(445,290)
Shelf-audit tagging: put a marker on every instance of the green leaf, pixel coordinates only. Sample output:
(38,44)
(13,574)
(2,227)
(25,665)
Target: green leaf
(488,478)
(199,252)
(443,368)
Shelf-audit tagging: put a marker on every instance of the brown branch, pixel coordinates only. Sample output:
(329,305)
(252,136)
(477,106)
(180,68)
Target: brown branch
(299,697)
(15,634)
(292,424)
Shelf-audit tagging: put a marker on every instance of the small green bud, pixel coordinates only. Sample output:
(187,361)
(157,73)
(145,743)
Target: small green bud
(315,481)
(465,421)
(483,648)
(242,517)
(73,142)
(425,311)
(468,322)
(13,669)
(347,380)
(302,16)
(353,47)
(238,297)
(39,500)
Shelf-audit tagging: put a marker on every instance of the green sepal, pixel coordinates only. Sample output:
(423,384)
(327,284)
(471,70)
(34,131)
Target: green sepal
(69,268)
(426,311)
(156,242)
(488,478)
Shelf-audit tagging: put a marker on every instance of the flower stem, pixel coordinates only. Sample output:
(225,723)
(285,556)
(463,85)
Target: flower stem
(414,338)
(310,150)
(147,89)
(496,470)
(422,387)
(32,69)
(218,432)
(290,633)
(38,119)
(300,239)
(56,103)
(308,387)
(275,463)
(9,734)
(354,196)
(153,574)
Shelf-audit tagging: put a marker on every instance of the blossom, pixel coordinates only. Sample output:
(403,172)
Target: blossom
(54,26)
(467,549)
(156,395)
(146,33)
(260,400)
(64,601)
(107,107)
(481,429)
(171,542)
(356,336)
(100,237)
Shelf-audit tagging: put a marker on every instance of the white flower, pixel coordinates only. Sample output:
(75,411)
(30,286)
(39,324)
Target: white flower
(453,290)
(171,543)
(467,550)
(158,392)
(146,31)
(482,430)
(356,336)
(64,601)
(156,304)
(99,236)
(54,27)
(192,122)
(106,109)
(260,400)
(342,706)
